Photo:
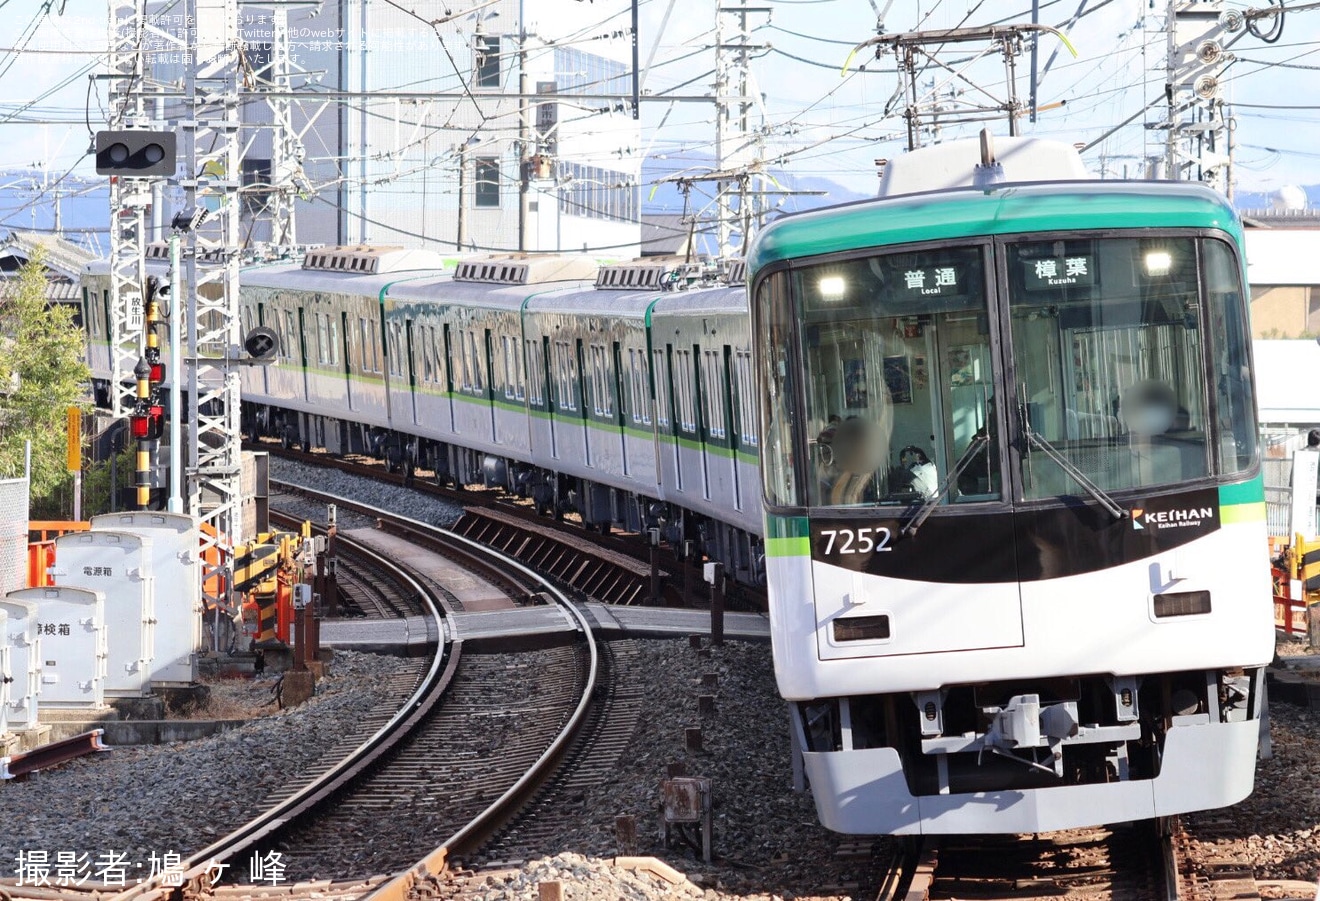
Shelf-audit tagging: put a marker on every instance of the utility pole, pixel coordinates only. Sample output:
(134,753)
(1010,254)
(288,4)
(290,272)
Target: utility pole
(211,180)
(1196,131)
(286,151)
(737,144)
(129,199)
(524,134)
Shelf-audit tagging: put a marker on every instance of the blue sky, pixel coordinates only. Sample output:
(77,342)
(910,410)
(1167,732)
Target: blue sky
(819,123)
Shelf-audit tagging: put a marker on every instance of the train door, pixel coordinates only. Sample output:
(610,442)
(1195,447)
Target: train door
(547,385)
(730,429)
(674,383)
(348,361)
(581,391)
(264,376)
(449,375)
(490,382)
(410,349)
(302,352)
(698,390)
(620,411)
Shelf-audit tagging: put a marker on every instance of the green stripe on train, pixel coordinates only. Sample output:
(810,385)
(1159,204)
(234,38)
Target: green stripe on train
(1243,502)
(787,536)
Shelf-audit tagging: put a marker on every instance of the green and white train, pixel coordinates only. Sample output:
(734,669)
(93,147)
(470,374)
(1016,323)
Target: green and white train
(1015,520)
(989,439)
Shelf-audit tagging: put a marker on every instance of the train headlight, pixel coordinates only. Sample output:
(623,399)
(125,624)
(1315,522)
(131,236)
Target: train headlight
(1158,262)
(832,287)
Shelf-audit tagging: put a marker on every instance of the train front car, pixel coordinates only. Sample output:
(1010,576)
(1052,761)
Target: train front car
(1015,522)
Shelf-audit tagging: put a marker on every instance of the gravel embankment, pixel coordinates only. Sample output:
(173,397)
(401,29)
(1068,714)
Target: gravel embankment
(363,490)
(141,801)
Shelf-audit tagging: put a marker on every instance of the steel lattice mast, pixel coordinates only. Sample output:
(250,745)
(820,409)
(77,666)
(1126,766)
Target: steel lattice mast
(210,180)
(128,205)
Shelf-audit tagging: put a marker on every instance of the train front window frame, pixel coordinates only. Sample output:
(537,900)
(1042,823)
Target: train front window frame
(1112,362)
(897,349)
(1039,313)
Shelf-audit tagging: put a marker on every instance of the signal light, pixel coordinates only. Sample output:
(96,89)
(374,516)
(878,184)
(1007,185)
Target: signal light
(147,422)
(157,373)
(135,153)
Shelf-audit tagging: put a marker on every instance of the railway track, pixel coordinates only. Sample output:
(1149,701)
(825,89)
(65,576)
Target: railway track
(591,762)
(458,759)
(366,584)
(1164,860)
(557,546)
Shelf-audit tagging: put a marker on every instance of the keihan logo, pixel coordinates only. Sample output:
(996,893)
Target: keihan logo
(1184,517)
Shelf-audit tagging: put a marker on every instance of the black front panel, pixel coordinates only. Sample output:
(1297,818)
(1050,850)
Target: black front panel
(1006,546)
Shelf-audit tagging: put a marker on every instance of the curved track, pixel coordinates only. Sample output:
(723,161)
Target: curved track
(427,757)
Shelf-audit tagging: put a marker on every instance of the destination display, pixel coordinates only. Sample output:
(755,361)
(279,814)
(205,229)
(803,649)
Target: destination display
(1049,273)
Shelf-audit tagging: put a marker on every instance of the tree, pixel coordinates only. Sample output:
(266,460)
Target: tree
(42,373)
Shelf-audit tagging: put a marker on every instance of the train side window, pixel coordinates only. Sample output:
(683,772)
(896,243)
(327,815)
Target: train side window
(322,336)
(437,341)
(333,339)
(745,398)
(661,380)
(683,390)
(464,366)
(395,356)
(290,330)
(773,317)
(506,356)
(566,376)
(478,382)
(424,345)
(519,370)
(1235,412)
(536,372)
(714,390)
(641,412)
(602,400)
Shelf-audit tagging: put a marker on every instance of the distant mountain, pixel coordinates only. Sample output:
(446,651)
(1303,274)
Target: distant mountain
(28,199)
(1262,200)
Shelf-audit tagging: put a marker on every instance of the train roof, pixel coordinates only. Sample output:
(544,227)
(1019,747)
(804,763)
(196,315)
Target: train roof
(292,276)
(1002,210)
(592,301)
(494,296)
(720,299)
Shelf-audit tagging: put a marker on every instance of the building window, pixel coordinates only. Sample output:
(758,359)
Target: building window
(487,191)
(596,193)
(487,64)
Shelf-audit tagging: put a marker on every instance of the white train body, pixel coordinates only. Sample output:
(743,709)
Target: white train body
(1015,531)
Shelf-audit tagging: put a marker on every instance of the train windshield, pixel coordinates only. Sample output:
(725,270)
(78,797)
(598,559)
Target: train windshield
(899,383)
(1111,343)
(1110,354)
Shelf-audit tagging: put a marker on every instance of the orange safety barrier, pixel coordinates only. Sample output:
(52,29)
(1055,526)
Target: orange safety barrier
(49,530)
(41,557)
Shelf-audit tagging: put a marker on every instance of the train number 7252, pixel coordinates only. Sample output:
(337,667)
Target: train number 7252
(857,541)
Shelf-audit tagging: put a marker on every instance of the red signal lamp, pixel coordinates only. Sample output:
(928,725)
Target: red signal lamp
(149,425)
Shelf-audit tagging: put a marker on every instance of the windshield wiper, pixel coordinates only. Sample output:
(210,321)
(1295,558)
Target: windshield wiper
(979,442)
(1071,469)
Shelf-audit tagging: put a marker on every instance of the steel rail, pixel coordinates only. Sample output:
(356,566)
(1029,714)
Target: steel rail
(480,827)
(198,870)
(16,766)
